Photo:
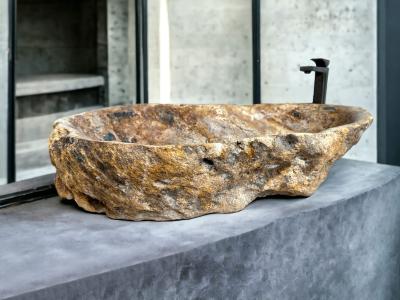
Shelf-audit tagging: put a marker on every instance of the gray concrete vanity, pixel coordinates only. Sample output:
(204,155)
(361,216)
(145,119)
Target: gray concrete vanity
(341,243)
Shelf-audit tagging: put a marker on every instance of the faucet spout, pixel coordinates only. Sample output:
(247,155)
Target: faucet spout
(321,78)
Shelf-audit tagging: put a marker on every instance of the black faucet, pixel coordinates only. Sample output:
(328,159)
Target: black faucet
(321,78)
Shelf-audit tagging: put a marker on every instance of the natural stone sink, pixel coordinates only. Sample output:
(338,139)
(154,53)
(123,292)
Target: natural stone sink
(168,162)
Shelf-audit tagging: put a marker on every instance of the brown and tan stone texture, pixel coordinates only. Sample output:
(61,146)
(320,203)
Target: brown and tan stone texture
(169,162)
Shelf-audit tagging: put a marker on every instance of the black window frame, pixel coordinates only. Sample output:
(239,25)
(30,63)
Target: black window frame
(11,140)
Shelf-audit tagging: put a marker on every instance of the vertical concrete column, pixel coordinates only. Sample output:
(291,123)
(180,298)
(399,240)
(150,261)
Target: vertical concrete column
(3,88)
(121,51)
(102,51)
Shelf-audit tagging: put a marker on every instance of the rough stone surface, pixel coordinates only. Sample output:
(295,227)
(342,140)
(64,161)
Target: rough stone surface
(167,162)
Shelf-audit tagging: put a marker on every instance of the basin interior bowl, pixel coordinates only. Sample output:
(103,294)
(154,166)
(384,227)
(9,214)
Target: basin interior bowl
(199,124)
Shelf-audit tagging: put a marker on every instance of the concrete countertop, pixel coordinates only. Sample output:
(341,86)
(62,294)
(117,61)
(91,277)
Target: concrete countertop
(51,249)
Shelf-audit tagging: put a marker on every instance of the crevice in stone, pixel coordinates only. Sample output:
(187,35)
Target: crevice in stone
(209,162)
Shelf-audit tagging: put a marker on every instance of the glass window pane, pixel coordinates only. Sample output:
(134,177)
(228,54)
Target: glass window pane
(200,51)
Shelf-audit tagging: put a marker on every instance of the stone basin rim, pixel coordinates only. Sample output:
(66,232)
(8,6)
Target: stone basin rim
(130,162)
(363,117)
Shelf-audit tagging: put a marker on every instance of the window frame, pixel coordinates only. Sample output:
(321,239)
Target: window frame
(11,140)
(388,87)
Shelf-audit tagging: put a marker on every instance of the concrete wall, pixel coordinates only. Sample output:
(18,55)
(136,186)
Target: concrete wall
(80,37)
(121,51)
(209,46)
(56,37)
(61,36)
(3,88)
(294,31)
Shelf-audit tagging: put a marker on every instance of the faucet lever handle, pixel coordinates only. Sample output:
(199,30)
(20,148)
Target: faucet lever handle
(321,62)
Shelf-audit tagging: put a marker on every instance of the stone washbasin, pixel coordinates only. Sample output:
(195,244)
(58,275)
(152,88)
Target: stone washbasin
(169,162)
